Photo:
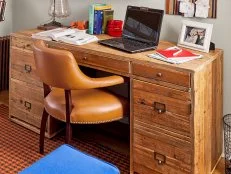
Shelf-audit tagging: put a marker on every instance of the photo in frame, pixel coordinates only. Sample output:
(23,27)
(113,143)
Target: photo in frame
(195,35)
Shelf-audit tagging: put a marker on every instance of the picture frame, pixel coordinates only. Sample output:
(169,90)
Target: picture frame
(195,35)
(2,9)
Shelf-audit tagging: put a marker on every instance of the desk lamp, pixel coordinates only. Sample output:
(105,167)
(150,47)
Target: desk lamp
(57,9)
(2,9)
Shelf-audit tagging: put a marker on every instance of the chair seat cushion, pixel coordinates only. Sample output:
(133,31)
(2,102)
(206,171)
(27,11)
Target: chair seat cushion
(68,160)
(89,106)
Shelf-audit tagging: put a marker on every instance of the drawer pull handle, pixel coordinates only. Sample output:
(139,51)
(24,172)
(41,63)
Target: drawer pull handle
(159,107)
(84,58)
(25,46)
(27,105)
(142,101)
(161,159)
(28,68)
(159,74)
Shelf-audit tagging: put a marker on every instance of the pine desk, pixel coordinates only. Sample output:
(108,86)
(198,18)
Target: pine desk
(175,110)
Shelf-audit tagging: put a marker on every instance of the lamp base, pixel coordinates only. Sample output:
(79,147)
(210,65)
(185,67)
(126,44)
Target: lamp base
(50,26)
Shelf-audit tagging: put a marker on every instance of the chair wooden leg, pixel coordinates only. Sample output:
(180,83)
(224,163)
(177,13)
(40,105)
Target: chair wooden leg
(68,133)
(42,131)
(68,115)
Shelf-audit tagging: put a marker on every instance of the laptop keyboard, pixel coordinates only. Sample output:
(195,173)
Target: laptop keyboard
(128,42)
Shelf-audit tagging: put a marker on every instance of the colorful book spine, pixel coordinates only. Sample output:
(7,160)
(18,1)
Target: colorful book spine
(98,21)
(91,17)
(107,15)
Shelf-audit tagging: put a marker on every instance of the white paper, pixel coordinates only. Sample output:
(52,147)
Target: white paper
(190,10)
(202,11)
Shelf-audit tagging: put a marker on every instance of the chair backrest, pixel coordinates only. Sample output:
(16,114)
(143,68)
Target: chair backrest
(58,68)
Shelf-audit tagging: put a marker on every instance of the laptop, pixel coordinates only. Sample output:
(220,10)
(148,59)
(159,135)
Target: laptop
(141,30)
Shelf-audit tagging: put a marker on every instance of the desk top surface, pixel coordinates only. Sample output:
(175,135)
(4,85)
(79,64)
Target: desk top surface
(96,48)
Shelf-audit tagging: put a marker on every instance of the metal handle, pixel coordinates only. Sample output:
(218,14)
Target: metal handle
(159,74)
(159,107)
(27,68)
(25,46)
(84,58)
(27,105)
(161,159)
(142,101)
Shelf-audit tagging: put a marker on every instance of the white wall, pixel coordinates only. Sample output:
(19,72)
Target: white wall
(30,13)
(6,26)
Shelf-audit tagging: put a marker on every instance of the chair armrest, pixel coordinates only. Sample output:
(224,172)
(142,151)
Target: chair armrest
(106,81)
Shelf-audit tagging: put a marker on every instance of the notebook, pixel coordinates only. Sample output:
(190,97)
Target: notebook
(141,30)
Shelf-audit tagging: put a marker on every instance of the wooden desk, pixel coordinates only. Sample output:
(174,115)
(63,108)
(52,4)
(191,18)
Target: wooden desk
(176,110)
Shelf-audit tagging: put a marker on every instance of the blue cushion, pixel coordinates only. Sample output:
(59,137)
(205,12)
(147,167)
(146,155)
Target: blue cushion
(68,160)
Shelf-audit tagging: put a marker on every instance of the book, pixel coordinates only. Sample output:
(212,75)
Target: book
(72,36)
(54,33)
(98,21)
(174,55)
(103,7)
(98,18)
(107,15)
(176,52)
(78,38)
(91,11)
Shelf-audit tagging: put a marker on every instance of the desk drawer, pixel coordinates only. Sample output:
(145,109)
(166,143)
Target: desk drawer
(102,62)
(161,106)
(26,102)
(162,74)
(146,162)
(161,154)
(23,66)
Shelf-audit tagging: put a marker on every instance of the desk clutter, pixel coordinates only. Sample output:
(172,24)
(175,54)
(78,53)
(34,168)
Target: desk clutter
(71,36)
(101,20)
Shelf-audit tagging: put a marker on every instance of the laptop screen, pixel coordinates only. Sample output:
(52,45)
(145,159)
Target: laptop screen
(143,24)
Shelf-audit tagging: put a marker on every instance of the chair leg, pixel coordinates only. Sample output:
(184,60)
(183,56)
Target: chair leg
(68,133)
(42,131)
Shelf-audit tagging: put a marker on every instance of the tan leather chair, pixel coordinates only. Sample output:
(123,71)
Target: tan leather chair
(74,97)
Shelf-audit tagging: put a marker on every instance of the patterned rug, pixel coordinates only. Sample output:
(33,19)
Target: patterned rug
(19,147)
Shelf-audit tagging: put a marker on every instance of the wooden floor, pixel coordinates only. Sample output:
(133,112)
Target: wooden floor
(220,167)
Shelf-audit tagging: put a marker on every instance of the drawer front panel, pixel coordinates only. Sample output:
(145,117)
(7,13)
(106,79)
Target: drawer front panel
(155,162)
(161,104)
(168,121)
(163,154)
(26,102)
(22,43)
(103,62)
(25,115)
(23,66)
(161,90)
(162,74)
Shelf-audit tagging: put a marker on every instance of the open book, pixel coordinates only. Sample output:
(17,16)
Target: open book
(72,36)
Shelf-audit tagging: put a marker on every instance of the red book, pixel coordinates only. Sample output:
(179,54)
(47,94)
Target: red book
(176,52)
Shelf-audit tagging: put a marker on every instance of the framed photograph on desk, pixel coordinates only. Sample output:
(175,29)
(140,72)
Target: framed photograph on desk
(195,35)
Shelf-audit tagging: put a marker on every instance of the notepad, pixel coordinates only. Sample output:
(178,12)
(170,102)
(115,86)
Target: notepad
(176,52)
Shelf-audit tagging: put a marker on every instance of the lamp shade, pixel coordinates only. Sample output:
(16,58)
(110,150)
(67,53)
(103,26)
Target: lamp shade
(59,8)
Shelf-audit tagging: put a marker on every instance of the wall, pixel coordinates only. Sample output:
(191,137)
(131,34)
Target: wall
(30,13)
(6,26)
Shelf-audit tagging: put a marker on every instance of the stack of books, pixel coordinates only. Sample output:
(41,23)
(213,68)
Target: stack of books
(99,15)
(175,55)
(71,36)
